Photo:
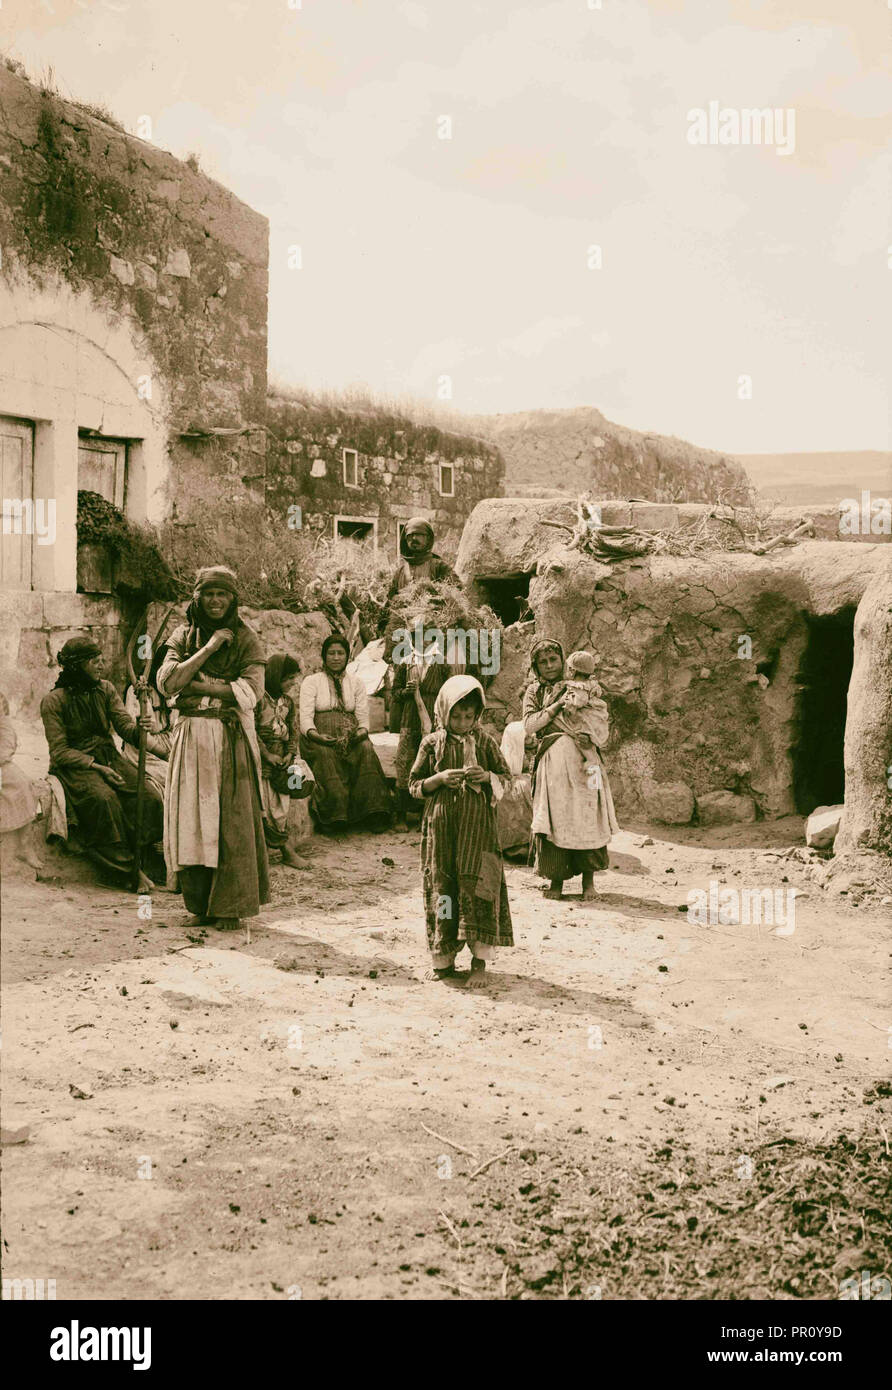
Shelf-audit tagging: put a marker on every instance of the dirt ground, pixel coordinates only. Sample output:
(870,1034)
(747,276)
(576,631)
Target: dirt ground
(628,1110)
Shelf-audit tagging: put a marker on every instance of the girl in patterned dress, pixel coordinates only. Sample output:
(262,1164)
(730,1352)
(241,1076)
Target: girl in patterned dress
(465,898)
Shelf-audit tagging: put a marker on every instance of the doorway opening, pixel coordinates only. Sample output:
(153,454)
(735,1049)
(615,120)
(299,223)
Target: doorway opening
(508,597)
(825,670)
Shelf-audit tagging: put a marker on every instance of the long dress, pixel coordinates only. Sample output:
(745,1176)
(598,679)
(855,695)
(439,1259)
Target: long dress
(78,723)
(213,824)
(18,803)
(350,782)
(465,897)
(573,814)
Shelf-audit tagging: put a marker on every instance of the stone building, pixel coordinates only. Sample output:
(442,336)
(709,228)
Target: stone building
(133,312)
(728,675)
(361,474)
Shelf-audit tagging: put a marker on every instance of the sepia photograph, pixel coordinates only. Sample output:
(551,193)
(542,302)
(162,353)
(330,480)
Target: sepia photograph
(446,668)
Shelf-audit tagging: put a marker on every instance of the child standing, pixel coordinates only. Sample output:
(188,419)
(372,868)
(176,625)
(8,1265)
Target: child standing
(465,897)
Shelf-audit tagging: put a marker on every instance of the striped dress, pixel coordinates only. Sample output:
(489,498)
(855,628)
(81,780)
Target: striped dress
(465,897)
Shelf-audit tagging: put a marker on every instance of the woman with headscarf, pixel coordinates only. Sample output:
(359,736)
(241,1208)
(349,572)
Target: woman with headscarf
(285,775)
(573,815)
(213,822)
(78,716)
(465,897)
(334,724)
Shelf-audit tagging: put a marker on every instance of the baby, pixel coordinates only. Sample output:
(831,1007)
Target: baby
(584,713)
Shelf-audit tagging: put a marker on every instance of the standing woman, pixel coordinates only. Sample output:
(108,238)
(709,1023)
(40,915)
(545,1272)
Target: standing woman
(334,725)
(213,823)
(573,815)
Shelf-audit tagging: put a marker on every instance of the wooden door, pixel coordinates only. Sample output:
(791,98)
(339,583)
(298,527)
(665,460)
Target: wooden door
(17,502)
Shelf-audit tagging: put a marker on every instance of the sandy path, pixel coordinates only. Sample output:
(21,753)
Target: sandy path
(277,1093)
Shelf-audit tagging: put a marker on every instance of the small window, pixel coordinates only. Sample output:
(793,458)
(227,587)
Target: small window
(362,530)
(101,467)
(447,480)
(351,468)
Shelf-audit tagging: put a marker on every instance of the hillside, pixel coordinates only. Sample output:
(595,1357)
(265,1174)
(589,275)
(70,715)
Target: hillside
(822,477)
(577,450)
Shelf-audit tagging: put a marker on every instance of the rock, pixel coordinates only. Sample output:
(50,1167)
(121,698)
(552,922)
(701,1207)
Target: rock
(822,826)
(867,823)
(669,803)
(725,808)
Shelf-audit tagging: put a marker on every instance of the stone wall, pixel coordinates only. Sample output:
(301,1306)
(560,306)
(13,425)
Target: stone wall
(135,295)
(398,470)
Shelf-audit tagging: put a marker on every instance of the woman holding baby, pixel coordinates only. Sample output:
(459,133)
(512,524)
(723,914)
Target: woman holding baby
(573,815)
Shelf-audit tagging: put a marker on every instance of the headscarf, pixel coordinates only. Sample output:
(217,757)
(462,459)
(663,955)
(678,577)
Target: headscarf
(72,658)
(540,645)
(514,746)
(417,523)
(244,649)
(451,691)
(279,668)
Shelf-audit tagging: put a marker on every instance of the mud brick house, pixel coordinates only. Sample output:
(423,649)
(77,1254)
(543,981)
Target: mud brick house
(360,475)
(133,313)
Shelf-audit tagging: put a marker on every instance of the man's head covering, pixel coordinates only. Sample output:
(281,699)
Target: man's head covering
(216,577)
(451,691)
(78,649)
(543,644)
(279,668)
(418,525)
(580,664)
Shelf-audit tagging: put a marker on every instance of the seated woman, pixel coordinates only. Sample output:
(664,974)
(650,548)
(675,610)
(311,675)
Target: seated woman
(213,825)
(573,815)
(334,725)
(285,775)
(100,786)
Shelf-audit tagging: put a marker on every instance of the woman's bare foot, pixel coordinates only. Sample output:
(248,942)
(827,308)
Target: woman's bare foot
(446,973)
(477,977)
(225,923)
(556,893)
(294,860)
(197,921)
(589,895)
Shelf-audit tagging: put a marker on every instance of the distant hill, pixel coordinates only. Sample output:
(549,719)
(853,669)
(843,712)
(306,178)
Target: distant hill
(824,477)
(580,450)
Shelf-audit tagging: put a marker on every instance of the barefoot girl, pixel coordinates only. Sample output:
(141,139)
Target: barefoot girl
(465,898)
(573,815)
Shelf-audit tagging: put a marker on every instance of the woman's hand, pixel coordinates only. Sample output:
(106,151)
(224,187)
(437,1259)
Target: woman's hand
(114,779)
(450,777)
(476,775)
(218,639)
(358,735)
(315,737)
(147,721)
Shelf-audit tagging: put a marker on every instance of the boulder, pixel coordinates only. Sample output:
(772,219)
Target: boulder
(822,825)
(867,823)
(725,808)
(668,803)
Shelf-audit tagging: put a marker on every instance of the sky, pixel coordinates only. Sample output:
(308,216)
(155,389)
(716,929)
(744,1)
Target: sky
(445,167)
